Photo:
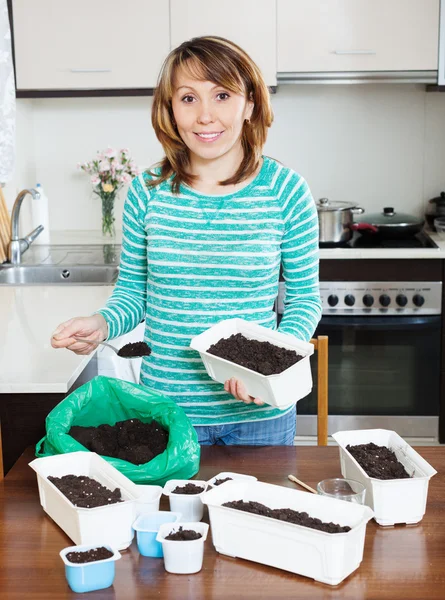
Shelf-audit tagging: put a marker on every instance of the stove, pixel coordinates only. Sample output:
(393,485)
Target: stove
(421,240)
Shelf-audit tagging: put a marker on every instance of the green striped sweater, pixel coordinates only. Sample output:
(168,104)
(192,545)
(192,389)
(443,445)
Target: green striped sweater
(191,260)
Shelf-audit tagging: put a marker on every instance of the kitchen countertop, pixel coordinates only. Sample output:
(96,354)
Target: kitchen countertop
(77,237)
(28,316)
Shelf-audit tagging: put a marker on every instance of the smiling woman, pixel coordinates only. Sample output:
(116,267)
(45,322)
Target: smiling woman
(205,234)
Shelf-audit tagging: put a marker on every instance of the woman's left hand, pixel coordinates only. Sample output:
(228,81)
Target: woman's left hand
(238,390)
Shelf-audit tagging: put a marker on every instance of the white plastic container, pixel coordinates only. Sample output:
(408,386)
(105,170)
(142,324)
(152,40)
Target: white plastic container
(394,500)
(147,498)
(110,524)
(233,476)
(40,215)
(325,557)
(189,505)
(280,391)
(183,557)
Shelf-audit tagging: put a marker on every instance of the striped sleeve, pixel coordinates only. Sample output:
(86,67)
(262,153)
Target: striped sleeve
(126,307)
(300,260)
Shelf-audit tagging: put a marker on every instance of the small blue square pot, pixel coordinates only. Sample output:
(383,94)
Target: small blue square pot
(88,577)
(147,527)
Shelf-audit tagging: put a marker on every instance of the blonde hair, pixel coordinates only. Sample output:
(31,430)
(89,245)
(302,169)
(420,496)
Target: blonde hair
(218,60)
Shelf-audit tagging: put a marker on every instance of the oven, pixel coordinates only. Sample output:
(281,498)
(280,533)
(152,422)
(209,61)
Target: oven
(385,341)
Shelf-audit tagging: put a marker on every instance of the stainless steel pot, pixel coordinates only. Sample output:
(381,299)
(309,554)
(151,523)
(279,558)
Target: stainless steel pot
(336,221)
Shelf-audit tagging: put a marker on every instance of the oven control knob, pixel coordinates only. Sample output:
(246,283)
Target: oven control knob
(332,300)
(418,300)
(385,300)
(368,300)
(349,300)
(401,300)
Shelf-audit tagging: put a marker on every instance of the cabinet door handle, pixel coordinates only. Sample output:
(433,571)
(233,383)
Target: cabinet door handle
(90,70)
(341,52)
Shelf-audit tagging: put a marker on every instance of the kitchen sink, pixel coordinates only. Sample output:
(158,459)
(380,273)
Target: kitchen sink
(58,275)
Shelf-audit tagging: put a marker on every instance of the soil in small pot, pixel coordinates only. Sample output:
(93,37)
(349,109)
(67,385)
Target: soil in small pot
(130,440)
(220,481)
(188,488)
(88,556)
(134,350)
(287,514)
(183,535)
(85,492)
(261,357)
(378,461)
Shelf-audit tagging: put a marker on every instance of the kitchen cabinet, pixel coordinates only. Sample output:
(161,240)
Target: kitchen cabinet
(357,35)
(104,44)
(249,23)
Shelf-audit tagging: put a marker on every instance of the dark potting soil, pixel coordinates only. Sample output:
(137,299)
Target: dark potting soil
(220,481)
(188,488)
(183,535)
(130,440)
(85,492)
(288,515)
(378,461)
(89,555)
(262,357)
(134,350)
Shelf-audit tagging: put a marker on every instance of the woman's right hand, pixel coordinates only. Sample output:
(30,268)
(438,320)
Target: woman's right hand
(92,328)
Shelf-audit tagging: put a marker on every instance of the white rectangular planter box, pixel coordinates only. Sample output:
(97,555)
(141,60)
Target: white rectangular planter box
(110,524)
(280,391)
(395,500)
(325,557)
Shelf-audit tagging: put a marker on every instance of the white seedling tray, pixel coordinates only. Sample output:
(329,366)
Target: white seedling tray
(325,557)
(110,524)
(280,391)
(393,500)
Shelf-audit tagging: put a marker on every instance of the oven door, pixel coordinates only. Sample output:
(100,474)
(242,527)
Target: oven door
(384,371)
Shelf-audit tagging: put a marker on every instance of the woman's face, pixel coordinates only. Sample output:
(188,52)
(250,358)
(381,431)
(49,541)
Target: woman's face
(209,118)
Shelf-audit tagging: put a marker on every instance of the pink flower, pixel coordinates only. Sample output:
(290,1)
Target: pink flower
(95,180)
(104,166)
(110,152)
(126,178)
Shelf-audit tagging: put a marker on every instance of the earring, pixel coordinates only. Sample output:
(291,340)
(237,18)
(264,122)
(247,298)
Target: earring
(247,121)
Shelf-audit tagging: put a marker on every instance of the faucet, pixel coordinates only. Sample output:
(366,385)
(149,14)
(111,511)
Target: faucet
(20,245)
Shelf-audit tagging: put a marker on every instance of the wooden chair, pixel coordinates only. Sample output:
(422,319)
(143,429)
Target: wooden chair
(321,346)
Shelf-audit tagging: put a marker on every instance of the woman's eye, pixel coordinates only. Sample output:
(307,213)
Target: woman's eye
(223,96)
(188,99)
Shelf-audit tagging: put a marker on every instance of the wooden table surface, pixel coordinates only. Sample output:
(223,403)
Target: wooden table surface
(400,562)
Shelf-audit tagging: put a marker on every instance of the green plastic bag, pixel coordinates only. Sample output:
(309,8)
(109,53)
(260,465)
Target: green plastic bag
(108,400)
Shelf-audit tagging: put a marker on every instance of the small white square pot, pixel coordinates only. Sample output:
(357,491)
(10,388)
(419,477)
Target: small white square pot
(233,476)
(281,390)
(147,498)
(183,557)
(189,505)
(91,576)
(392,500)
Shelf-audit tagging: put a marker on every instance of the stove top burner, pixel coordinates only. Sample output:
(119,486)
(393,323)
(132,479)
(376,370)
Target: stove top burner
(421,240)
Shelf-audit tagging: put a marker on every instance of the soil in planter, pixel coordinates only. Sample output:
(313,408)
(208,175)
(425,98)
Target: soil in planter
(288,515)
(88,556)
(134,350)
(220,481)
(261,357)
(183,535)
(188,488)
(378,461)
(85,492)
(130,440)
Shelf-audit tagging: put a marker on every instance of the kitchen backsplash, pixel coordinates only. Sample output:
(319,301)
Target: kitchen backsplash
(377,145)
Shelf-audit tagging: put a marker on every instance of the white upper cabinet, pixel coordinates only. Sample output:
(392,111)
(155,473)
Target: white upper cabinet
(89,44)
(357,35)
(249,23)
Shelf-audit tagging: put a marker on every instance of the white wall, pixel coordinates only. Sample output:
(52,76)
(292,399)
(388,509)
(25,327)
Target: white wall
(378,145)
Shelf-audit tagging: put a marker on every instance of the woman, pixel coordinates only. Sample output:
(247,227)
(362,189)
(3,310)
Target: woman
(204,236)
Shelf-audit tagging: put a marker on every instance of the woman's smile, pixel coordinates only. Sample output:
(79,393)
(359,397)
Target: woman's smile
(208,136)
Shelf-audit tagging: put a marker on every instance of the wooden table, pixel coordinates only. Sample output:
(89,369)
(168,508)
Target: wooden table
(399,563)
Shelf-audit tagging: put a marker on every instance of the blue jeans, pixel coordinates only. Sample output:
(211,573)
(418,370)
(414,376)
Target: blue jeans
(272,432)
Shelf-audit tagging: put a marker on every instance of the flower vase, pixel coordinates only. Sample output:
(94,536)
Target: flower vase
(108,199)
